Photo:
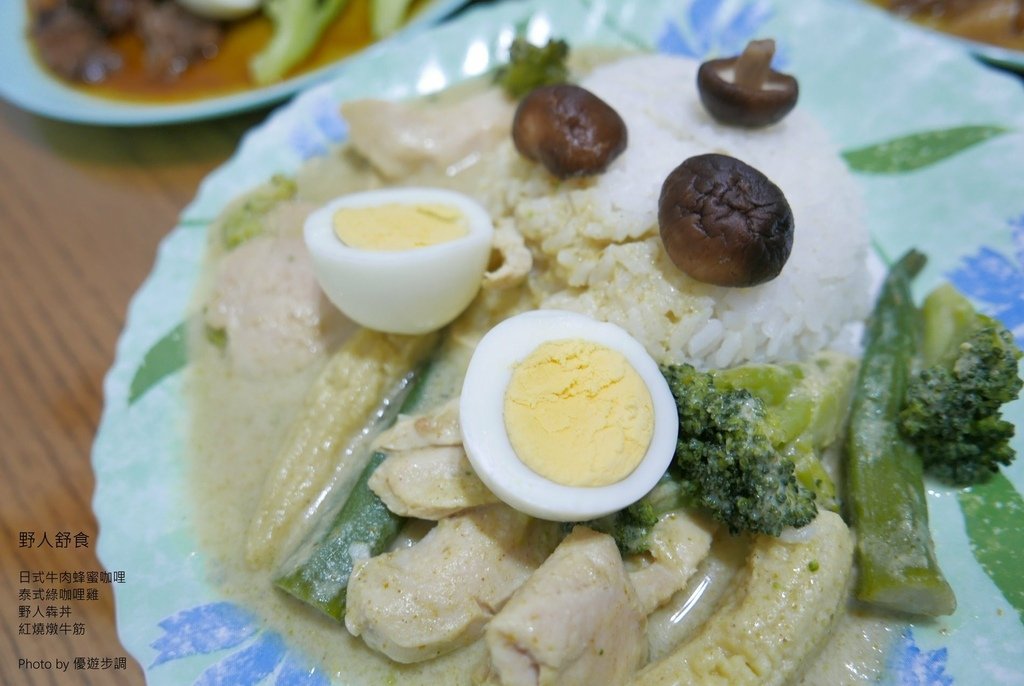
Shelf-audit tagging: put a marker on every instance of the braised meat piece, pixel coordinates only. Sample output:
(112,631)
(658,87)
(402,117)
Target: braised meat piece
(73,44)
(174,38)
(116,15)
(72,36)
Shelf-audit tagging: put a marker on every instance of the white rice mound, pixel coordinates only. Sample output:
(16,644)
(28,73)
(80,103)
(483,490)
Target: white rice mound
(597,249)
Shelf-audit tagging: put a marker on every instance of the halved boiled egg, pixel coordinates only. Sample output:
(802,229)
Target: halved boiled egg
(400,260)
(565,417)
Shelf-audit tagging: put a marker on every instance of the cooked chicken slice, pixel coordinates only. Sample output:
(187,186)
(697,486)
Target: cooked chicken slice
(429,483)
(400,138)
(266,298)
(417,603)
(576,621)
(437,427)
(427,474)
(777,615)
(679,541)
(516,259)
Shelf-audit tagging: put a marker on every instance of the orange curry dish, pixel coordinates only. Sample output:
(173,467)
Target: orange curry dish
(158,51)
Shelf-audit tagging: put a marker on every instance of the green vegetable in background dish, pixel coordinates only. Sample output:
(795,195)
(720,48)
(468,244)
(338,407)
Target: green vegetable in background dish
(885,484)
(387,15)
(297,28)
(531,66)
(954,402)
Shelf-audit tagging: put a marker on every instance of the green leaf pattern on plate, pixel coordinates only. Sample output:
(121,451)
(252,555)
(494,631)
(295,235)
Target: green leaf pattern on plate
(167,356)
(994,512)
(918,150)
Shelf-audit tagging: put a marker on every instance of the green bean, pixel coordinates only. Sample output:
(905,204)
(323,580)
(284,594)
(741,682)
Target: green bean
(363,528)
(319,571)
(885,486)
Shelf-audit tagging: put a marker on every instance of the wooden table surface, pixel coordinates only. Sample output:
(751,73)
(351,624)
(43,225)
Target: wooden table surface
(82,209)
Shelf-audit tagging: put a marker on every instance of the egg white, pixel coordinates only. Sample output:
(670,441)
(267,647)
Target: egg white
(405,291)
(486,441)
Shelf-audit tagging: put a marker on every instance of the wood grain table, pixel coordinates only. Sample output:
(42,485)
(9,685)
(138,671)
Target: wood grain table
(82,209)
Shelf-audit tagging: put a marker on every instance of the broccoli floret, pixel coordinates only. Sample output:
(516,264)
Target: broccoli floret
(725,459)
(531,66)
(631,527)
(217,337)
(954,402)
(248,219)
(806,405)
(750,439)
(297,27)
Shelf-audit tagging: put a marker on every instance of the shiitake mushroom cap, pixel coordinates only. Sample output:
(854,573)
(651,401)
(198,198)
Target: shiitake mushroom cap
(744,90)
(723,222)
(569,130)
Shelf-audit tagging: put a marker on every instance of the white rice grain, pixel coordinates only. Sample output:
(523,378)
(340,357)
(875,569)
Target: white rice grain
(597,245)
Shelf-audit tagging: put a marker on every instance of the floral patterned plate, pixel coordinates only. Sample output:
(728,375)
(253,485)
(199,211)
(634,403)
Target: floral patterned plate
(935,143)
(1006,58)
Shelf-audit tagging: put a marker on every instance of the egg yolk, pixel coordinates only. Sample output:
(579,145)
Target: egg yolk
(397,226)
(578,413)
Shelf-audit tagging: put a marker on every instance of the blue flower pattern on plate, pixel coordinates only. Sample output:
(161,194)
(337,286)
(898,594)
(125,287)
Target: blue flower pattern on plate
(911,666)
(223,625)
(311,137)
(714,29)
(997,281)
